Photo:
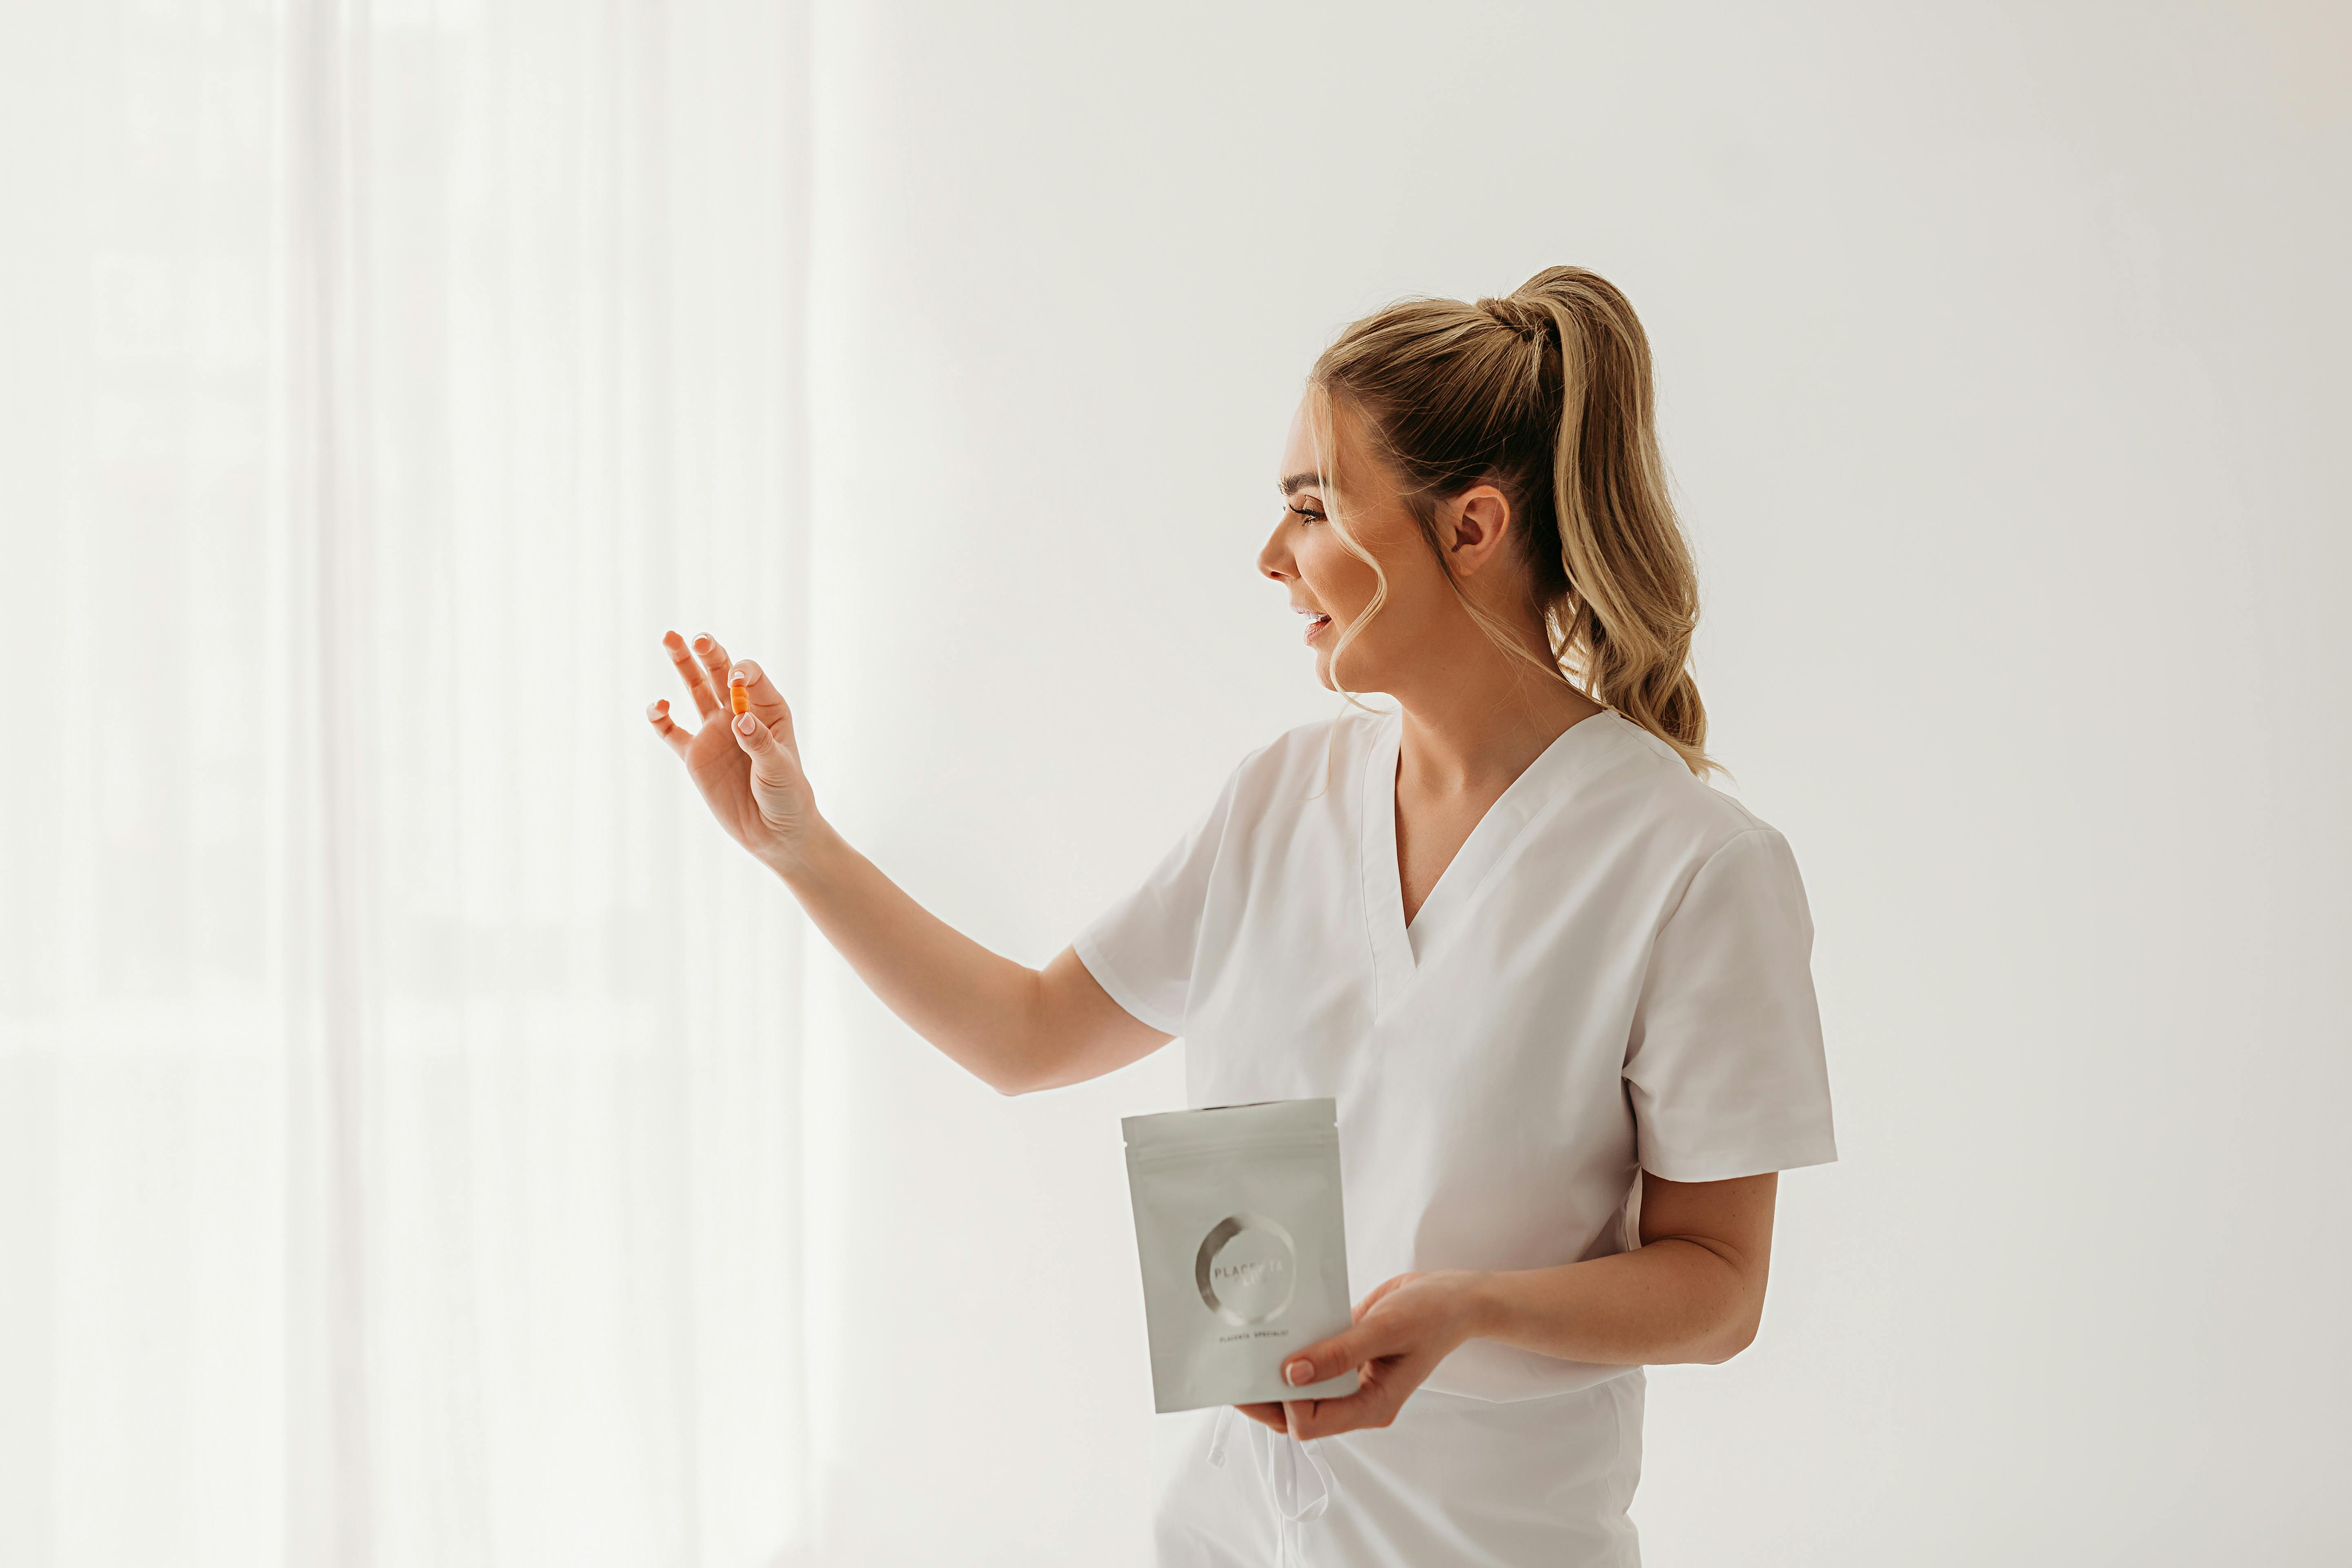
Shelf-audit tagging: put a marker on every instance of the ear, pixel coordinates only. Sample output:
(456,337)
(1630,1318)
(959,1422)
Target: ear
(1473,527)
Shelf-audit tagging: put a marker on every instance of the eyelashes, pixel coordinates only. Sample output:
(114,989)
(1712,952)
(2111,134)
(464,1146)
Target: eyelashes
(1303,515)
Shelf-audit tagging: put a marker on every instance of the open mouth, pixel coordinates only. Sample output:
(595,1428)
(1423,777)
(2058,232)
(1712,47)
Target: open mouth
(1316,622)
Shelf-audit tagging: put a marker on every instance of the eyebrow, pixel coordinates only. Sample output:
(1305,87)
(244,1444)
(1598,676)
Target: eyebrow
(1292,484)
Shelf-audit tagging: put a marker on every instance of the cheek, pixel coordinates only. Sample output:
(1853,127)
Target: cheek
(1340,581)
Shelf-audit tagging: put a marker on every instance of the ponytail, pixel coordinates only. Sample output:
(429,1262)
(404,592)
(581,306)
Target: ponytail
(1547,395)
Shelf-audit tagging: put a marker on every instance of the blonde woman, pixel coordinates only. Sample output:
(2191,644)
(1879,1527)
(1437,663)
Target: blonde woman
(1558,985)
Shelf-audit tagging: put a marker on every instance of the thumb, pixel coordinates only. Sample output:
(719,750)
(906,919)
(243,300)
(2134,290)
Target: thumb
(1341,1352)
(773,765)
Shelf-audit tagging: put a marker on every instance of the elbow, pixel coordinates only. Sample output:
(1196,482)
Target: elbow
(1026,1077)
(1727,1324)
(1016,1046)
(1734,1339)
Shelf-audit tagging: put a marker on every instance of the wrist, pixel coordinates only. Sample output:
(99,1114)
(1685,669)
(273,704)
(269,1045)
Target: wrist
(810,859)
(1478,1303)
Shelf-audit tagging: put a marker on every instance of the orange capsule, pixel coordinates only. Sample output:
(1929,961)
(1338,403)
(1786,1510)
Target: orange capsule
(739,696)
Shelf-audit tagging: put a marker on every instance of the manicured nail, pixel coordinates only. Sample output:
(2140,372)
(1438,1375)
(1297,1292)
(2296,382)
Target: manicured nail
(1298,1374)
(653,711)
(747,672)
(743,725)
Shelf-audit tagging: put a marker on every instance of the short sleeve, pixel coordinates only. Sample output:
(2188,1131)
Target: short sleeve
(1141,949)
(1724,1065)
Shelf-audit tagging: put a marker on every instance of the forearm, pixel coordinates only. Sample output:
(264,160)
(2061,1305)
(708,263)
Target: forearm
(981,1008)
(1673,1299)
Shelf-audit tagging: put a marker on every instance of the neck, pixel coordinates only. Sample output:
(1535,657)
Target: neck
(1478,720)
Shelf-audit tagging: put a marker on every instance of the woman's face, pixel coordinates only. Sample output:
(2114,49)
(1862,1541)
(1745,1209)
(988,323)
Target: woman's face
(1329,586)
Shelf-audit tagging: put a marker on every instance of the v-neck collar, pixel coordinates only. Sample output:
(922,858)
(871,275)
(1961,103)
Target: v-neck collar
(1491,845)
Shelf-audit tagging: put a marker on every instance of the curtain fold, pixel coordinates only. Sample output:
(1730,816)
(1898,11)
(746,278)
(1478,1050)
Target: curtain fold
(399,1129)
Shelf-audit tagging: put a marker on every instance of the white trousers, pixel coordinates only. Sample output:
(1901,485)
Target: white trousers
(1452,1480)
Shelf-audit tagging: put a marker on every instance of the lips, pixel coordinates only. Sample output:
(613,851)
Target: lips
(1315,620)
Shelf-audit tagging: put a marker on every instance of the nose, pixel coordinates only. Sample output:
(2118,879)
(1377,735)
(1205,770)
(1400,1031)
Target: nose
(1275,558)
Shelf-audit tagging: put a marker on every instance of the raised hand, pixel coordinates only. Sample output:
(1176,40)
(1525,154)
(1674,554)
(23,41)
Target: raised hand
(747,766)
(1015,1027)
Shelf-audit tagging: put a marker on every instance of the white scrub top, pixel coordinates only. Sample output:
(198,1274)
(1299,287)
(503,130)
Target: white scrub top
(1612,976)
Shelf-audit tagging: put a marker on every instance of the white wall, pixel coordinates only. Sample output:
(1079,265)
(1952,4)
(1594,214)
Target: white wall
(2001,354)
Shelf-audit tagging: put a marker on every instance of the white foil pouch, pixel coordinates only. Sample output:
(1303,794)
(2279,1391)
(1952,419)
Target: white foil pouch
(1245,1261)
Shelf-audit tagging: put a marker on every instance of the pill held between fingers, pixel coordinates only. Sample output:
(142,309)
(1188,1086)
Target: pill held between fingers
(739,696)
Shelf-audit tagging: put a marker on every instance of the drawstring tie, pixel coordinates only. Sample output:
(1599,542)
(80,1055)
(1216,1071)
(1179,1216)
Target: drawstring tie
(1278,1455)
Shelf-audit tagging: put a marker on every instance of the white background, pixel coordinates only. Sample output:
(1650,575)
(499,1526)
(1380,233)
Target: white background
(399,1136)
(417,1144)
(2001,354)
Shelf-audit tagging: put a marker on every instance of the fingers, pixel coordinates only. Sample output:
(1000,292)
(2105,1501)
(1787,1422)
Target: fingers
(689,669)
(715,661)
(1381,1389)
(1376,1405)
(666,728)
(1269,1415)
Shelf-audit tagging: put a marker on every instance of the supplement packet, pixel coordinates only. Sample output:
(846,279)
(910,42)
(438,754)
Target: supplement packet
(1238,1223)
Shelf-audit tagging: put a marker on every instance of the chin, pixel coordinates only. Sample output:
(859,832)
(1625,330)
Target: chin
(1357,666)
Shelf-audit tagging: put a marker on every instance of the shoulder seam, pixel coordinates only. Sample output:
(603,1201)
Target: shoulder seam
(1709,859)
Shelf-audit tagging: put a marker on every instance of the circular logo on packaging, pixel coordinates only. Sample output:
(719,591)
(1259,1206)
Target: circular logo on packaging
(1247,1269)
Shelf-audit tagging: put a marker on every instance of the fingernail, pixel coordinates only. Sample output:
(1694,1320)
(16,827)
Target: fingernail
(1298,1374)
(702,642)
(743,725)
(748,671)
(653,709)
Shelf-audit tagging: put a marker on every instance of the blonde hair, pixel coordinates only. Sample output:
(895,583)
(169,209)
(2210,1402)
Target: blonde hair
(1545,395)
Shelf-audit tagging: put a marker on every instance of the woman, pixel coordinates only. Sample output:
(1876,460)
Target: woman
(1557,984)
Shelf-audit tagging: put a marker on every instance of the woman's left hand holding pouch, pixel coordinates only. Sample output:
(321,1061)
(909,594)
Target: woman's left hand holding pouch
(1402,1331)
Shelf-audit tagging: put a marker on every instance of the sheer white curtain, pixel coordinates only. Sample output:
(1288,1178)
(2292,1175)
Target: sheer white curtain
(399,1135)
